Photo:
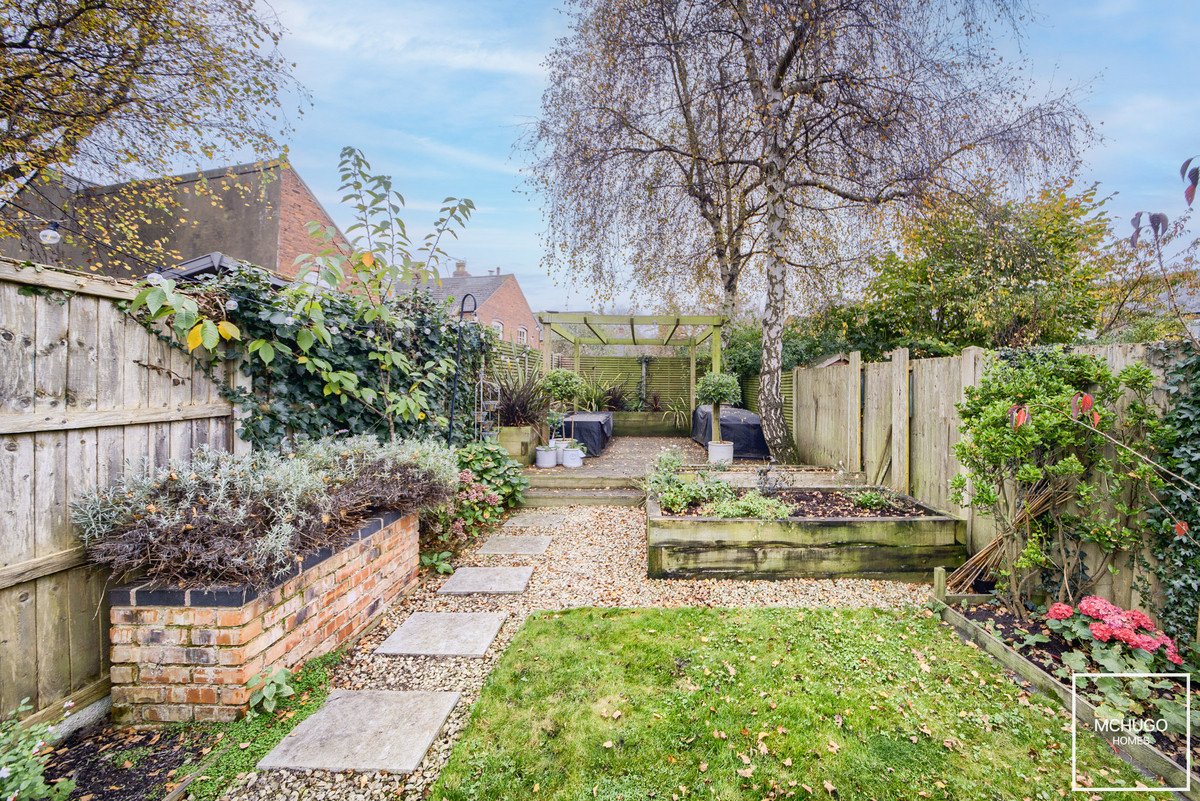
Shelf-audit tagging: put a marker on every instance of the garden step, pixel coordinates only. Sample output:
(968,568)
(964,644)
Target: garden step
(583,497)
(487,581)
(444,634)
(522,519)
(365,730)
(504,545)
(564,480)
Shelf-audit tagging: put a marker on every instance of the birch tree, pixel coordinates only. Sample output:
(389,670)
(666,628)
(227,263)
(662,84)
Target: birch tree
(821,113)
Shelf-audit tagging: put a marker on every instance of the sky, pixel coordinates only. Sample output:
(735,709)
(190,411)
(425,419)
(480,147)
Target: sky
(438,93)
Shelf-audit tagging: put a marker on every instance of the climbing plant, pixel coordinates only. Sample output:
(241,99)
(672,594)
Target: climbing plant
(349,345)
(1173,545)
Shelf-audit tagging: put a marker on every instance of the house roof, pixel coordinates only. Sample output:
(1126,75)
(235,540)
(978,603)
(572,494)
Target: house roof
(481,287)
(212,264)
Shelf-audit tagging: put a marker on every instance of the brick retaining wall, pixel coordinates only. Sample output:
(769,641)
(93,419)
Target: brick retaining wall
(181,655)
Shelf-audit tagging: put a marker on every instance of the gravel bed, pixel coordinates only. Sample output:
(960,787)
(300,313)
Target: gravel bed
(597,558)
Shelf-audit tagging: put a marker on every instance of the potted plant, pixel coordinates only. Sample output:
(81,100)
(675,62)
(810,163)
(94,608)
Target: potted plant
(718,388)
(573,454)
(554,421)
(546,456)
(564,388)
(520,407)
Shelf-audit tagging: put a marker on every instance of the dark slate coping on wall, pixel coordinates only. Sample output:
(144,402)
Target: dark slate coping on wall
(148,593)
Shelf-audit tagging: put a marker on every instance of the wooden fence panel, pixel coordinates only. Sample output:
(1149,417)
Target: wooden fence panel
(933,432)
(877,422)
(85,393)
(820,405)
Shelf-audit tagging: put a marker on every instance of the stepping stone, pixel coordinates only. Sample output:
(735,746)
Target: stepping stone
(535,520)
(365,730)
(500,544)
(487,580)
(444,634)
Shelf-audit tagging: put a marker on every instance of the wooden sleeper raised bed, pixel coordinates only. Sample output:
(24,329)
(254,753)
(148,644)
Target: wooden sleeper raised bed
(882,548)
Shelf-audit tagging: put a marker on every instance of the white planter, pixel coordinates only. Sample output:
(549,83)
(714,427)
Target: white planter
(720,452)
(546,457)
(560,445)
(572,457)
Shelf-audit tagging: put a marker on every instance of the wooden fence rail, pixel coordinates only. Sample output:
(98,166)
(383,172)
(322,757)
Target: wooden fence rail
(85,394)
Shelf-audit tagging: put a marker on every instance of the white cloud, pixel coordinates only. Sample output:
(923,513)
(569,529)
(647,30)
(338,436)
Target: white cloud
(414,34)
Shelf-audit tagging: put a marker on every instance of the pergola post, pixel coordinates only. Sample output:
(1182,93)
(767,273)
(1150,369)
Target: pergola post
(575,364)
(692,372)
(547,333)
(716,348)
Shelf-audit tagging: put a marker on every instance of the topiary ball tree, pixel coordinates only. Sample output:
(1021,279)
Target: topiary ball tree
(564,387)
(718,388)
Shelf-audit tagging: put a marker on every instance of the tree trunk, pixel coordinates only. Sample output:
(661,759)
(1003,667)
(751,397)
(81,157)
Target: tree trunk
(770,391)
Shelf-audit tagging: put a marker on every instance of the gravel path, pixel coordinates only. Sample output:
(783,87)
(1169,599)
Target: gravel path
(597,558)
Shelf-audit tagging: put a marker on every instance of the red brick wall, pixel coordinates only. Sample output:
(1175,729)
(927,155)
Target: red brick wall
(508,305)
(176,659)
(297,208)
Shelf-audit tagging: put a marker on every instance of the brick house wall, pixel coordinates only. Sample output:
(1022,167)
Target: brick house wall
(508,306)
(298,206)
(186,655)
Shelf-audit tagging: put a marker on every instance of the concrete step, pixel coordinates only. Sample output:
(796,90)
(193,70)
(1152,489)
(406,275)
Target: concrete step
(542,497)
(568,480)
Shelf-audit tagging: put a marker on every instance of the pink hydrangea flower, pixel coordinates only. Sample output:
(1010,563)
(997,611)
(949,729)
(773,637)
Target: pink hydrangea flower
(1174,658)
(1138,619)
(1101,631)
(1098,608)
(1060,612)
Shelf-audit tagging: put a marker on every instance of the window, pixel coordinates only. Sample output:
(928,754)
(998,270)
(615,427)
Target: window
(522,336)
(498,327)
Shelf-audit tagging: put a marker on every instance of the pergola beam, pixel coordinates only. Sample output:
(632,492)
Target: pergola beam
(632,331)
(595,333)
(565,333)
(623,319)
(671,333)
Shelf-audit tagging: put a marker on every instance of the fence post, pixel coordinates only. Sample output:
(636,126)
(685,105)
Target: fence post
(900,420)
(969,366)
(854,413)
(795,408)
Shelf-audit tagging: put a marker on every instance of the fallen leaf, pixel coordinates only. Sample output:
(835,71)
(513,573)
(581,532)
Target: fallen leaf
(829,788)
(608,744)
(745,759)
(833,747)
(703,766)
(745,773)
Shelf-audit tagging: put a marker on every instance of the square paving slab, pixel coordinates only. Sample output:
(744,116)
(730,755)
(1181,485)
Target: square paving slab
(534,520)
(365,730)
(487,580)
(500,544)
(444,634)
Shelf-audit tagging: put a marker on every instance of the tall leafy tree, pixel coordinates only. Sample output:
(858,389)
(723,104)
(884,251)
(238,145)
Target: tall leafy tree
(978,271)
(119,90)
(828,111)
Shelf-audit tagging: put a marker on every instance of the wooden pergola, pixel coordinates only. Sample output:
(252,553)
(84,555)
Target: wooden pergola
(627,325)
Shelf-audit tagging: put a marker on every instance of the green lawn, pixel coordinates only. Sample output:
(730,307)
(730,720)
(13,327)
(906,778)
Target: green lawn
(739,704)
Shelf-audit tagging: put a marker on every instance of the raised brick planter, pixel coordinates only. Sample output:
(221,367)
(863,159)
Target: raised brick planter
(180,655)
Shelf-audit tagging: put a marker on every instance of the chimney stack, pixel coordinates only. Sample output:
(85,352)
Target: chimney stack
(460,269)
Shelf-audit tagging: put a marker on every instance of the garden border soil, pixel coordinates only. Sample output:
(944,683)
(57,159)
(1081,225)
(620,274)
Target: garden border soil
(1147,757)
